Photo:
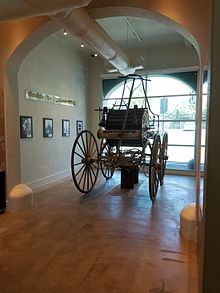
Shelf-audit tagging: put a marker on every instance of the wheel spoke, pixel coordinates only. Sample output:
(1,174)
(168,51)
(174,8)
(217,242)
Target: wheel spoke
(85,150)
(77,164)
(93,153)
(79,155)
(90,174)
(84,181)
(79,170)
(91,150)
(81,148)
(87,147)
(90,138)
(82,175)
(92,171)
(94,166)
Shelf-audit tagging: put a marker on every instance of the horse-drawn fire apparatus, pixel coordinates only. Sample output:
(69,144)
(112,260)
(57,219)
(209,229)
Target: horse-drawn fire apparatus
(130,141)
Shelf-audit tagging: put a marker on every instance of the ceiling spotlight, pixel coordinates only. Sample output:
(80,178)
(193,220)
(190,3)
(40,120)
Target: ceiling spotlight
(65,32)
(82,45)
(94,55)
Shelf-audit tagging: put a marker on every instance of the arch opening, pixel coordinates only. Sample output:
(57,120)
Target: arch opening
(11,86)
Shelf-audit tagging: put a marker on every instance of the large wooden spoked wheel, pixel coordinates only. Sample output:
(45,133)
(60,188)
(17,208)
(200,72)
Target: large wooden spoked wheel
(154,167)
(163,157)
(84,161)
(106,160)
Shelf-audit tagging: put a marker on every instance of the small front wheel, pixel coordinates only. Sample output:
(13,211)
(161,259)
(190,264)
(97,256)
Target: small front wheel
(106,160)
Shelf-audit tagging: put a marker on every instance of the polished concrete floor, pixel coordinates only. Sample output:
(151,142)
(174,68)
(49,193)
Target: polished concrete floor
(111,240)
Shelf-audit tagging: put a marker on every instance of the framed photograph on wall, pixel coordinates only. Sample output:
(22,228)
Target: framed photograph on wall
(47,127)
(65,127)
(79,126)
(26,127)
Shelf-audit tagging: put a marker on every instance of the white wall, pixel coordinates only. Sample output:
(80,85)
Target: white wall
(50,68)
(95,92)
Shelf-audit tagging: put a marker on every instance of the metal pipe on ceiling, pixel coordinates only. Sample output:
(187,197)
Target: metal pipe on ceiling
(79,23)
(133,30)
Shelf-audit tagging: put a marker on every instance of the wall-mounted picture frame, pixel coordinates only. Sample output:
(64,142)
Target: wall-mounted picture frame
(79,126)
(65,127)
(26,127)
(48,127)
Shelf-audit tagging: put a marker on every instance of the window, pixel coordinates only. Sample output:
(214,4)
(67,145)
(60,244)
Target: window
(204,114)
(175,101)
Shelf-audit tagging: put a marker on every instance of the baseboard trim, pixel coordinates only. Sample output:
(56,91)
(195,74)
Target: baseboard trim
(49,179)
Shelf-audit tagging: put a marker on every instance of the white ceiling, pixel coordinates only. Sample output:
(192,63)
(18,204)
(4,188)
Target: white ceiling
(132,33)
(136,32)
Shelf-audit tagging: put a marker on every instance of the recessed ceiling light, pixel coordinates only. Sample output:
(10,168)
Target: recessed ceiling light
(82,45)
(65,32)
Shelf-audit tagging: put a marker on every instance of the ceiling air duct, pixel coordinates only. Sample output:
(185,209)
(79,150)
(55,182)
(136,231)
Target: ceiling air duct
(79,23)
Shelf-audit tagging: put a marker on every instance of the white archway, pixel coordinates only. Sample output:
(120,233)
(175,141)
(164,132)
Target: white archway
(13,164)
